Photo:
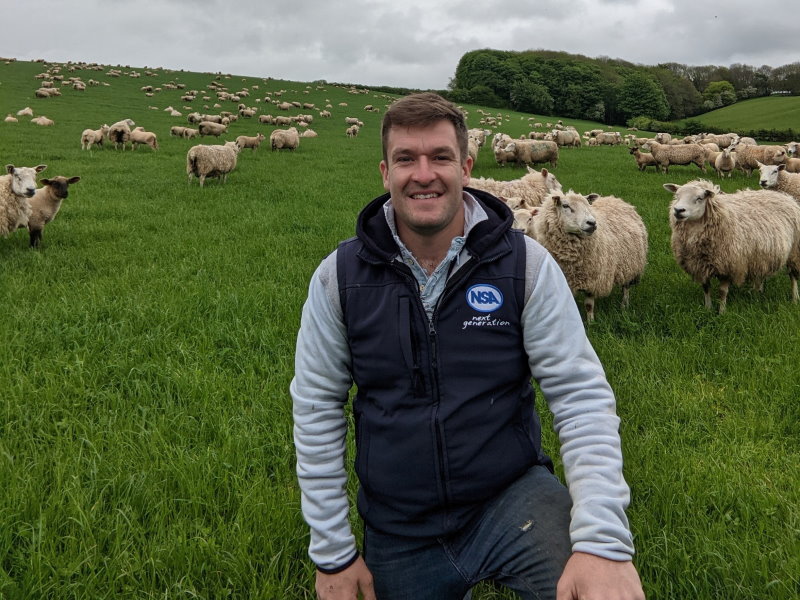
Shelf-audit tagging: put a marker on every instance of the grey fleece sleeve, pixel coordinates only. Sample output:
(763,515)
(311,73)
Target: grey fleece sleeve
(319,392)
(574,385)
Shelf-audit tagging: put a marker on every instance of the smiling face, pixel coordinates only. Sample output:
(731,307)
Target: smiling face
(425,175)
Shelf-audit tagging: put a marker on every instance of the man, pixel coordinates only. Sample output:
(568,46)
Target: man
(440,314)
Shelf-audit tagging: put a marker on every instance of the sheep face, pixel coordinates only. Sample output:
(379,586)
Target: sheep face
(23,179)
(59,185)
(769,175)
(575,213)
(690,201)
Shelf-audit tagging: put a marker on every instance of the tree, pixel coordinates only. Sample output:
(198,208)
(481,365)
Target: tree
(640,95)
(721,93)
(531,97)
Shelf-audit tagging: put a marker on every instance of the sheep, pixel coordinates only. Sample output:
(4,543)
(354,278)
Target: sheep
(608,138)
(663,137)
(566,138)
(666,155)
(351,121)
(473,148)
(778,178)
(11,119)
(211,128)
(45,204)
(43,121)
(599,242)
(120,132)
(643,159)
(25,112)
(531,187)
(352,131)
(190,132)
(746,236)
(530,152)
(177,131)
(140,136)
(211,161)
(252,142)
(725,162)
(284,139)
(16,187)
(309,133)
(90,137)
(502,155)
(792,165)
(748,157)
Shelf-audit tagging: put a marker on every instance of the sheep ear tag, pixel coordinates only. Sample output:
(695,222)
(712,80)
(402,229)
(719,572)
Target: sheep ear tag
(484,298)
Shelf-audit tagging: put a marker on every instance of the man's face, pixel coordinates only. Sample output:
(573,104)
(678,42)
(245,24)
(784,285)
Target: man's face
(424,174)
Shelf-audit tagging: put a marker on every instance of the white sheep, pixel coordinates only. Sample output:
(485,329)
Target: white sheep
(530,152)
(352,131)
(16,187)
(212,128)
(25,112)
(309,133)
(600,242)
(683,154)
(204,161)
(120,132)
(45,204)
(566,137)
(90,137)
(43,121)
(643,159)
(11,119)
(139,136)
(778,178)
(748,157)
(531,187)
(725,162)
(743,237)
(252,142)
(284,139)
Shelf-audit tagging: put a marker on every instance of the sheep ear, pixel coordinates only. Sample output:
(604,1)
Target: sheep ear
(531,170)
(40,168)
(592,197)
(781,166)
(760,164)
(9,169)
(671,187)
(72,180)
(535,211)
(556,198)
(44,181)
(709,194)
(544,172)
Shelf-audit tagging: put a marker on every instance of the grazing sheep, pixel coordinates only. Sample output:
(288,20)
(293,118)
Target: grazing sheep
(211,128)
(140,136)
(502,155)
(45,204)
(683,154)
(530,152)
(643,159)
(25,112)
(177,131)
(531,187)
(725,162)
(43,121)
(190,132)
(473,148)
(608,138)
(352,131)
(778,178)
(211,161)
(284,139)
(663,137)
(120,132)
(742,237)
(748,157)
(598,241)
(16,187)
(566,138)
(90,137)
(11,119)
(309,133)
(352,121)
(252,142)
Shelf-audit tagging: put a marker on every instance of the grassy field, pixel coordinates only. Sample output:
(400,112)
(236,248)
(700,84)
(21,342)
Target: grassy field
(146,351)
(780,113)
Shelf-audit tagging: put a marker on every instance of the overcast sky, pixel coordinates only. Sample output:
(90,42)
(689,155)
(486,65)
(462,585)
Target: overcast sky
(407,43)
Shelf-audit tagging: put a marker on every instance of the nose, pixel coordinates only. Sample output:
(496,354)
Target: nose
(30,191)
(423,173)
(591,225)
(679,212)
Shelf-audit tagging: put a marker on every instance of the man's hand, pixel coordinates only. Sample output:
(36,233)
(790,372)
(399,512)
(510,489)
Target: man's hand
(346,584)
(590,577)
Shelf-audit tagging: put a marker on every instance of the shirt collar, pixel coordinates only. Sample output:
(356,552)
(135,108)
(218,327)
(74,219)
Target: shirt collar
(473,214)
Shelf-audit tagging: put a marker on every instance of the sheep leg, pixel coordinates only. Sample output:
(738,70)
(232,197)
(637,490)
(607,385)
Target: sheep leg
(793,277)
(588,304)
(724,284)
(707,294)
(626,296)
(35,237)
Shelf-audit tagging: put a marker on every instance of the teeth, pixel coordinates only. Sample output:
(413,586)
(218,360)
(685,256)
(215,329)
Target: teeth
(424,196)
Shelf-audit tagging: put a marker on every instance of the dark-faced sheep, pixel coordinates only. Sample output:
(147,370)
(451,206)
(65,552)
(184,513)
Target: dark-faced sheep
(45,204)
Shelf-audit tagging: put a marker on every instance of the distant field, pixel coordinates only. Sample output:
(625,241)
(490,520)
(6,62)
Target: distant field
(147,348)
(778,112)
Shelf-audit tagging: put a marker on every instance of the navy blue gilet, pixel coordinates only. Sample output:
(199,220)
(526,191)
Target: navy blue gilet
(444,409)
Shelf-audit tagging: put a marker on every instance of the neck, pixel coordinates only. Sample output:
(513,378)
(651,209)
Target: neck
(430,249)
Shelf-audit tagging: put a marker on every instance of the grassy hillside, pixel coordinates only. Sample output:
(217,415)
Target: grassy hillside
(147,348)
(780,113)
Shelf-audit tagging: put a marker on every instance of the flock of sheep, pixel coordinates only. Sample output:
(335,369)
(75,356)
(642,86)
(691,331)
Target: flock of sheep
(600,242)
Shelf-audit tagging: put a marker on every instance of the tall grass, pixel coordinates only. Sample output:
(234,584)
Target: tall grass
(147,348)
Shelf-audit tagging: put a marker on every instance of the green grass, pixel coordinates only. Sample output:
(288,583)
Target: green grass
(779,113)
(147,348)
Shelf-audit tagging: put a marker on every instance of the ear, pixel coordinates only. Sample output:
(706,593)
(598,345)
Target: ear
(544,172)
(384,174)
(781,166)
(759,164)
(557,199)
(72,180)
(592,197)
(671,187)
(708,194)
(530,170)
(39,168)
(44,181)
(535,211)
(9,169)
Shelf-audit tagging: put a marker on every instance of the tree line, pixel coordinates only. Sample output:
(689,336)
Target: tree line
(611,91)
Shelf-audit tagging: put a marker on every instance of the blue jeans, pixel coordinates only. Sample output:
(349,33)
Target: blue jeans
(520,540)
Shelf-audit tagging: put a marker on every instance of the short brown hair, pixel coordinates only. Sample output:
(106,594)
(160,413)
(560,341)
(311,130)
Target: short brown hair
(423,109)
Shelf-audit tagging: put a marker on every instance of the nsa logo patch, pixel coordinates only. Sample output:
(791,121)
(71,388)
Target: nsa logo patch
(484,297)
